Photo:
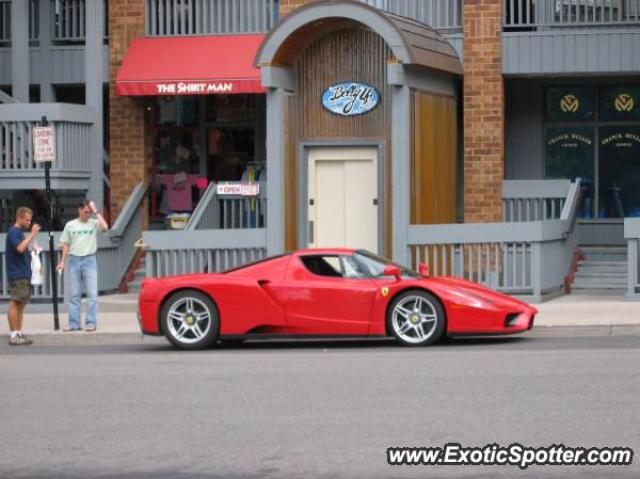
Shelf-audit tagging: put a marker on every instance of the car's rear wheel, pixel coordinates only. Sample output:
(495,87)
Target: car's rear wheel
(190,320)
(416,318)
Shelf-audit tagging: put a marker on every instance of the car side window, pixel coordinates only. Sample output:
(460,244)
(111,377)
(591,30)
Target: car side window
(323,265)
(351,269)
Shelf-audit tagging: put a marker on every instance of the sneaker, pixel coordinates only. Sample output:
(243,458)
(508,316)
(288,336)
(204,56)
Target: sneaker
(69,329)
(90,329)
(27,340)
(18,341)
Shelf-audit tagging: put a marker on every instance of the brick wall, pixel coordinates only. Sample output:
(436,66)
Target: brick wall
(126,114)
(483,111)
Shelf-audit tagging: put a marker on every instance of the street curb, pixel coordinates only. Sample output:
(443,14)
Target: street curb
(588,330)
(52,339)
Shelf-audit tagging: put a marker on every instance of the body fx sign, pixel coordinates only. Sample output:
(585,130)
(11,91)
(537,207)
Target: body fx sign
(350,98)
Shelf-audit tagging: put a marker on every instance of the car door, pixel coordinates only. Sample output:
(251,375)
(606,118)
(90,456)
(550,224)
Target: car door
(319,299)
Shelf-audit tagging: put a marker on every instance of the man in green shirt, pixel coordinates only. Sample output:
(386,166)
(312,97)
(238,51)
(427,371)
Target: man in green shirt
(79,245)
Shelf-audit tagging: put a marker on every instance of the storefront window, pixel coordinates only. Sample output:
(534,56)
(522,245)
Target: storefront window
(202,139)
(569,154)
(619,171)
(570,103)
(575,125)
(176,111)
(230,108)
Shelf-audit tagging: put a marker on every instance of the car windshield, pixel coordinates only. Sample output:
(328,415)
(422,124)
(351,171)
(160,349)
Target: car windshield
(374,265)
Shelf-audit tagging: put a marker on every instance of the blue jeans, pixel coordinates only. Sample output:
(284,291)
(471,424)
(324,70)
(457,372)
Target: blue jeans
(83,269)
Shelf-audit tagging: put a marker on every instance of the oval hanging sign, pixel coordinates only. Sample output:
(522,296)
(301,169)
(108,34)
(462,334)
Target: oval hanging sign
(350,98)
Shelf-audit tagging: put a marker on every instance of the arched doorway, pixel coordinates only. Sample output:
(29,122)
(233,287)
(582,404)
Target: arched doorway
(347,116)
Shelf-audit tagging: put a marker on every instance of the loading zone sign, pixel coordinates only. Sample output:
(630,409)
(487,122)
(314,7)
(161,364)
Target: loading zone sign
(44,143)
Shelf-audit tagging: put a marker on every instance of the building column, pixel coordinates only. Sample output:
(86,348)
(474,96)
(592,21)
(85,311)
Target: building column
(400,172)
(483,111)
(94,37)
(275,169)
(47,95)
(126,115)
(20,73)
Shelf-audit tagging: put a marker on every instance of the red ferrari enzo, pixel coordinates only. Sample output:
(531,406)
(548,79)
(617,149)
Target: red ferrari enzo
(324,292)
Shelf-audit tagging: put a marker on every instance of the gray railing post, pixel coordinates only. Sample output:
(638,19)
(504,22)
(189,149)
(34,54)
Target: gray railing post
(632,267)
(536,270)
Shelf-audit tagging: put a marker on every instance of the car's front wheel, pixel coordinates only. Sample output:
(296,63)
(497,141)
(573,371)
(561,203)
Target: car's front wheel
(416,318)
(190,320)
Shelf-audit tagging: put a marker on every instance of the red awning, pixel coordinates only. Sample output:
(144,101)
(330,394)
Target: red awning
(190,66)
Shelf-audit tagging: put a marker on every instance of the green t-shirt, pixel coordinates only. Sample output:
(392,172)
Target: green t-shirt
(81,237)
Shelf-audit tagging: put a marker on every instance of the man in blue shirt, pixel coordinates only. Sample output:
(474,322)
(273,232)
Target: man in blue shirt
(19,272)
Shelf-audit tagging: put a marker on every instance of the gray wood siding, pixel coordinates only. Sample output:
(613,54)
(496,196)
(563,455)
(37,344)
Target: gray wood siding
(524,103)
(575,51)
(65,65)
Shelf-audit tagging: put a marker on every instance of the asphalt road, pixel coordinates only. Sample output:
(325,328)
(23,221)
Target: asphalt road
(315,409)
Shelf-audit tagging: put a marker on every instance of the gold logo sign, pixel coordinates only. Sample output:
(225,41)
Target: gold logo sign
(623,102)
(385,291)
(569,104)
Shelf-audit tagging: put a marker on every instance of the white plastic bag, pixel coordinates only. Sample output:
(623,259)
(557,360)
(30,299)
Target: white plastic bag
(36,266)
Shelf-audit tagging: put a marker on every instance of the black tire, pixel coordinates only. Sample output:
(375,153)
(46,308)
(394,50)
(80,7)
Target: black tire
(190,339)
(418,330)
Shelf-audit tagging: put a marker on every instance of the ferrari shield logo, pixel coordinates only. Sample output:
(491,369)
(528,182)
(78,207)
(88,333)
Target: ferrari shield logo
(385,291)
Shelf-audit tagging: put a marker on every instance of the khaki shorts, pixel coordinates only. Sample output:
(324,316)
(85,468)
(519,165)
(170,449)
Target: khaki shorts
(20,290)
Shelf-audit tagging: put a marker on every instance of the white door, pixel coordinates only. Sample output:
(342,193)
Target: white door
(343,198)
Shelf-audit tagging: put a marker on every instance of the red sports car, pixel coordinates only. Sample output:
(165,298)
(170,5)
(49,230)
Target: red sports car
(324,292)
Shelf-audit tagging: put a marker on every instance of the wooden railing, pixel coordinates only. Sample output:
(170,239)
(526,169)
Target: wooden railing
(209,17)
(180,252)
(533,200)
(73,136)
(67,21)
(439,14)
(530,258)
(560,13)
(228,212)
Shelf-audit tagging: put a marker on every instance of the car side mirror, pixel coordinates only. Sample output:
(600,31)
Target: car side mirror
(423,269)
(391,270)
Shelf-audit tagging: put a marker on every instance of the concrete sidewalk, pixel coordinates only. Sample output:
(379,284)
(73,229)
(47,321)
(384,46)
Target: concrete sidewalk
(117,315)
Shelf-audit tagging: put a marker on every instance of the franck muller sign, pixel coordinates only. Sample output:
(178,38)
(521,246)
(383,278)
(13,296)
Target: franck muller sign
(350,98)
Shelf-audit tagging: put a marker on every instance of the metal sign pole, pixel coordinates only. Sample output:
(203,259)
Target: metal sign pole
(52,252)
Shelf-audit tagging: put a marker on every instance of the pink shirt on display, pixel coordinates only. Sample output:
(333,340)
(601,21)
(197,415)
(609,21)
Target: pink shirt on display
(178,192)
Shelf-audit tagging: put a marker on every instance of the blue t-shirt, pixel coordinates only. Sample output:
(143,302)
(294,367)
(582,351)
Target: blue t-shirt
(18,264)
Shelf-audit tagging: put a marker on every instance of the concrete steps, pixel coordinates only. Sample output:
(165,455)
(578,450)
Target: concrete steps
(603,270)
